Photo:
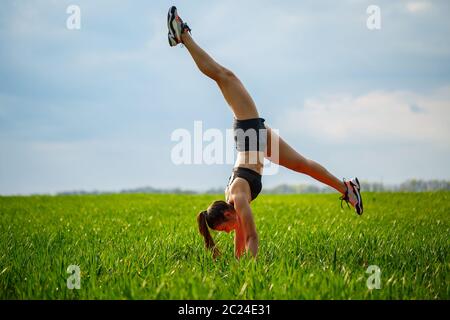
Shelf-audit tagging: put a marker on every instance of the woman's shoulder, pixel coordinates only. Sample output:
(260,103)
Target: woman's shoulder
(239,189)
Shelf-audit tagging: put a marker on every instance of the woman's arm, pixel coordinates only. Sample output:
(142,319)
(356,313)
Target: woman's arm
(248,234)
(239,242)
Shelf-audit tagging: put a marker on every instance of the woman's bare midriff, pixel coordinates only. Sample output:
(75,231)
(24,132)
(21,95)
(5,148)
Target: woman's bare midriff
(253,160)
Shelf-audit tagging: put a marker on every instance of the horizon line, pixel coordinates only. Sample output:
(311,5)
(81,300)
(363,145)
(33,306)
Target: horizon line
(305,187)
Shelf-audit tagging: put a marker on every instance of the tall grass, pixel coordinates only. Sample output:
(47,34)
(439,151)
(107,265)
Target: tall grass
(148,247)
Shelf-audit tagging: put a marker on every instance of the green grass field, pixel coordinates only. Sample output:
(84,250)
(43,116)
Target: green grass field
(148,247)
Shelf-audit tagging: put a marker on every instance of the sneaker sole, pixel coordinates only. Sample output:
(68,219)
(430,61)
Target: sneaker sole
(172,23)
(359,205)
(172,42)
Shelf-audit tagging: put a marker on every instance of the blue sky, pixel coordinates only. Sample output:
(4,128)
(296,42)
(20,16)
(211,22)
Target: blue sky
(95,108)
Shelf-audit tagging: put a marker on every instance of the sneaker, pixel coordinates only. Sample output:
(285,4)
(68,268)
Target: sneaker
(172,41)
(176,27)
(353,195)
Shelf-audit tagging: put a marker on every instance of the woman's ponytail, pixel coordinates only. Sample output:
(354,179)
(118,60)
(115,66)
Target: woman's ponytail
(204,231)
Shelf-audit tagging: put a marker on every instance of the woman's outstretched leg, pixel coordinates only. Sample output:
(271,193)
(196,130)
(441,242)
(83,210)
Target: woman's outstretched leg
(243,107)
(291,159)
(232,88)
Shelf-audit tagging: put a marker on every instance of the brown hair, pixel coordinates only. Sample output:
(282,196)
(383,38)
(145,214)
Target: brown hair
(211,218)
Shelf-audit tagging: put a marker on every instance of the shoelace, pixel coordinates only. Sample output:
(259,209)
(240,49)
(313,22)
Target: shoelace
(186,27)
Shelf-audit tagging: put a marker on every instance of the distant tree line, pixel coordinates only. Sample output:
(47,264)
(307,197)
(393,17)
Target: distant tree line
(412,185)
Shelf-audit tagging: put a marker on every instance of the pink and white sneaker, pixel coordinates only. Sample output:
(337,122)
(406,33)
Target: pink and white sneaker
(353,195)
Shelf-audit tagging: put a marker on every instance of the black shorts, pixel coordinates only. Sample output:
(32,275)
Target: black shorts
(250,134)
(252,177)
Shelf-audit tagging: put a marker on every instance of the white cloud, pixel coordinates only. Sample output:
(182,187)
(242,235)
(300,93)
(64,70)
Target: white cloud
(418,6)
(378,116)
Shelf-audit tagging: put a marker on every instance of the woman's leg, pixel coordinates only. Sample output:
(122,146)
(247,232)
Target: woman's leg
(232,88)
(243,107)
(291,159)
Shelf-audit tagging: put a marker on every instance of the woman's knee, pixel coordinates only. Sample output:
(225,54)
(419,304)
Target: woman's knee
(225,74)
